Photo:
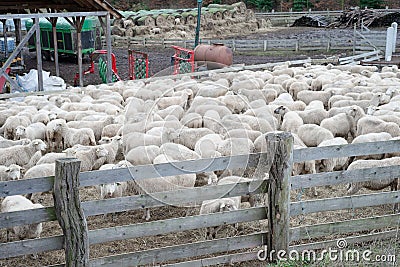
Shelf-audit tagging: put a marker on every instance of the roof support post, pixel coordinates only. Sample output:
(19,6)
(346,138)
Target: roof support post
(108,38)
(39,56)
(55,45)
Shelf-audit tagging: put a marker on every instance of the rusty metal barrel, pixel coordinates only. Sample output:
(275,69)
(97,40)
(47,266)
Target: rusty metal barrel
(217,53)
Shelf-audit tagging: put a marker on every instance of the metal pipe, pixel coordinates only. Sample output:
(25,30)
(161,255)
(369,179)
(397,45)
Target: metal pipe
(389,44)
(199,4)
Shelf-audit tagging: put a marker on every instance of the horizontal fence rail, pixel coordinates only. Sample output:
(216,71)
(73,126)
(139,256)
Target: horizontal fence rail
(45,184)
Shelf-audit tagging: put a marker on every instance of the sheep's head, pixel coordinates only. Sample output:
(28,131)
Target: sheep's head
(108,190)
(39,145)
(281,110)
(104,140)
(20,131)
(355,112)
(227,205)
(101,152)
(13,172)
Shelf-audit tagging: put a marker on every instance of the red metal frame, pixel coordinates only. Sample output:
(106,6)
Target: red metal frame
(93,57)
(3,80)
(132,54)
(177,57)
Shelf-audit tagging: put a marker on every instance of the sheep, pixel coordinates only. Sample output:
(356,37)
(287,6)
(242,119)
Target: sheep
(213,90)
(51,158)
(163,183)
(377,99)
(310,116)
(21,154)
(111,130)
(217,205)
(143,155)
(315,104)
(136,139)
(243,133)
(313,135)
(90,157)
(112,148)
(18,203)
(72,136)
(33,131)
(9,143)
(343,124)
(12,172)
(369,124)
(96,126)
(54,139)
(291,122)
(373,184)
(206,146)
(181,100)
(309,96)
(177,21)
(178,152)
(235,146)
(186,136)
(296,87)
(331,164)
(235,103)
(42,116)
(11,124)
(192,120)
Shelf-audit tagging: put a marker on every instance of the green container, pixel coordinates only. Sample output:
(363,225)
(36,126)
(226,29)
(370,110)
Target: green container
(66,36)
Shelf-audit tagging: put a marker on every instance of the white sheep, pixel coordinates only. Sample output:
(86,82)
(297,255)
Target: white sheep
(343,124)
(136,139)
(371,137)
(11,172)
(35,130)
(90,157)
(373,184)
(18,203)
(111,130)
(160,184)
(192,120)
(4,143)
(72,136)
(313,135)
(11,124)
(370,124)
(143,155)
(186,136)
(331,164)
(21,154)
(96,126)
(291,122)
(51,157)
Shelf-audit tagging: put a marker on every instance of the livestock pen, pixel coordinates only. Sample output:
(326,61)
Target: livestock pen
(268,226)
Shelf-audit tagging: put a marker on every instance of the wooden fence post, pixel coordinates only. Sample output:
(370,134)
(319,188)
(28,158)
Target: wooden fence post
(278,201)
(69,212)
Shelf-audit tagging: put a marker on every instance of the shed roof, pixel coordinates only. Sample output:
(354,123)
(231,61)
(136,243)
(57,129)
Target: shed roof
(23,6)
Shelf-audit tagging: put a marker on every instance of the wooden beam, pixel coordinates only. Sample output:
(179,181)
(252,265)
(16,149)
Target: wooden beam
(55,45)
(69,212)
(109,47)
(39,56)
(78,26)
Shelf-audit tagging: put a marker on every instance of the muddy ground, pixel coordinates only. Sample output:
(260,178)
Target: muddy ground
(160,58)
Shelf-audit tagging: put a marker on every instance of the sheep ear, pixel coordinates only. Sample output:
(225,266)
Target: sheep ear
(36,142)
(222,206)
(7,170)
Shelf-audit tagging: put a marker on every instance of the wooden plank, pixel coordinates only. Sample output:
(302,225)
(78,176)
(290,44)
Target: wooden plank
(342,227)
(224,259)
(341,177)
(175,225)
(158,255)
(31,246)
(192,196)
(207,165)
(350,240)
(316,153)
(347,202)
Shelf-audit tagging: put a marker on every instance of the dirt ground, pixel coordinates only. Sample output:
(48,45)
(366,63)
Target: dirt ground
(160,58)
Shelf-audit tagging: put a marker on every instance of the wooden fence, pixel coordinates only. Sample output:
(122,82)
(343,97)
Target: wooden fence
(360,42)
(276,209)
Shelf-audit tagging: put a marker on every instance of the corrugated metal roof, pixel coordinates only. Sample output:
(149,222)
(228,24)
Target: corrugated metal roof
(32,6)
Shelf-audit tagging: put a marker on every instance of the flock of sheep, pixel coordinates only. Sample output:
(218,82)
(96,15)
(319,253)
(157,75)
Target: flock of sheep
(136,122)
